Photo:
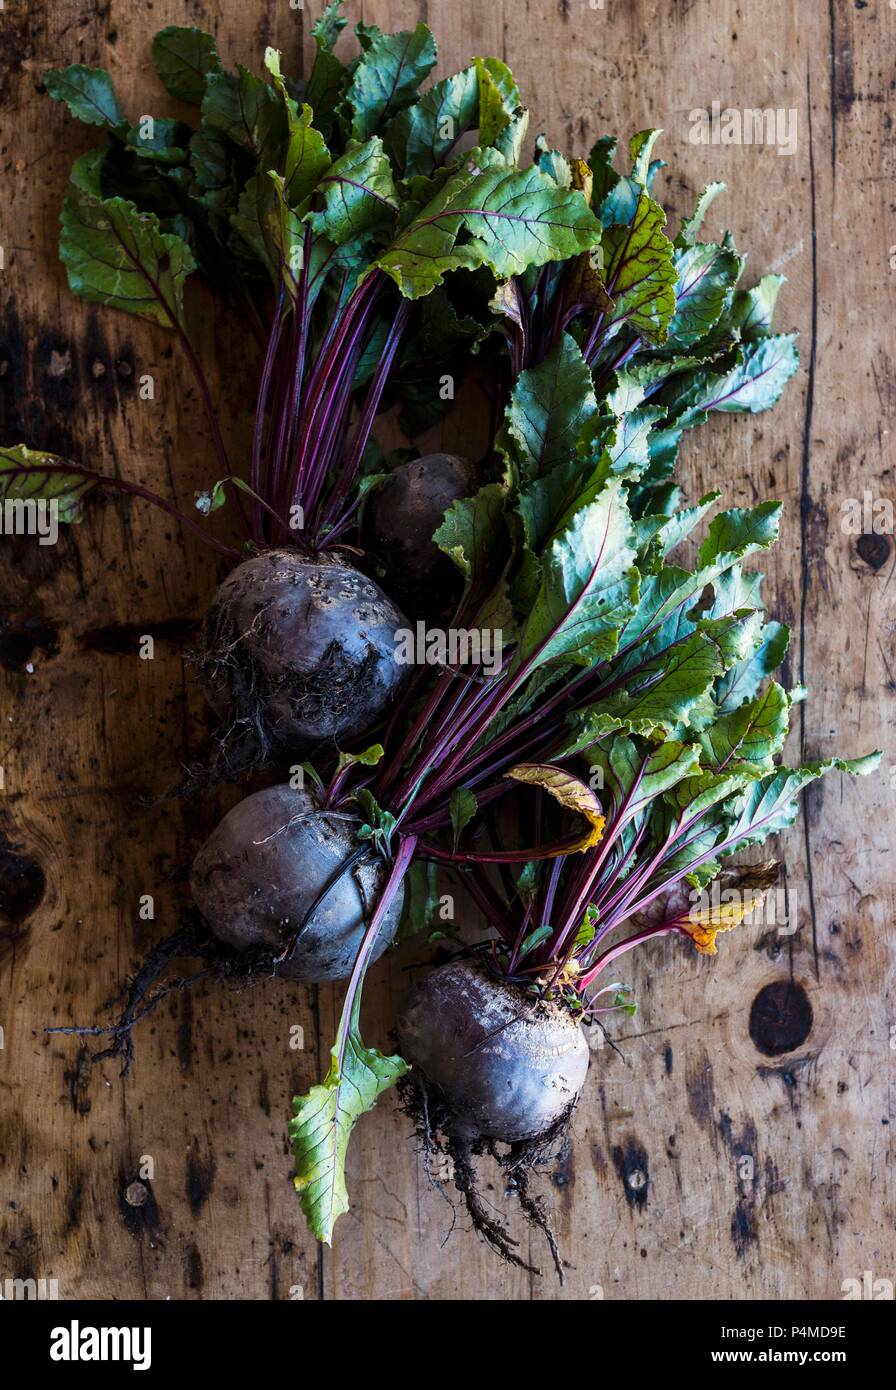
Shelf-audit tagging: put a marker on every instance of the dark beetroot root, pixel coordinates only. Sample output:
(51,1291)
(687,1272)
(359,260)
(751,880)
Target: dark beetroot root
(296,652)
(401,519)
(281,888)
(509,1067)
(491,1065)
(278,870)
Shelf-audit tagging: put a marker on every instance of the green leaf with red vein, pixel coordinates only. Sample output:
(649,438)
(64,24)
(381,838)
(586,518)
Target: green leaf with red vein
(118,256)
(588,588)
(547,412)
(387,77)
(183,57)
(357,193)
(248,111)
(88,93)
(29,475)
(761,371)
(707,275)
(639,272)
(516,218)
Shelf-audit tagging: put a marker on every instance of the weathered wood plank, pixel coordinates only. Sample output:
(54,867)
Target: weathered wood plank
(652,1197)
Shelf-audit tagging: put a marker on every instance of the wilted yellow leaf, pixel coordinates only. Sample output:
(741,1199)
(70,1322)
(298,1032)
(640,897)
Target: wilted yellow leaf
(582,178)
(571,793)
(567,979)
(704,925)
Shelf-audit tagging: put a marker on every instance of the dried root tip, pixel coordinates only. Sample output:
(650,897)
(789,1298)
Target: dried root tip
(488,1226)
(227,670)
(146,989)
(544,1148)
(536,1214)
(522,1160)
(215,766)
(425,1107)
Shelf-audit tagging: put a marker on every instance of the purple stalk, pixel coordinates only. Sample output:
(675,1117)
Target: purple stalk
(466,733)
(501,856)
(520,938)
(329,410)
(577,910)
(422,722)
(676,843)
(313,385)
(440,740)
(400,866)
(528,664)
(137,490)
(618,361)
(615,869)
(336,346)
(614,952)
(440,818)
(619,903)
(264,387)
(551,892)
(349,470)
(486,899)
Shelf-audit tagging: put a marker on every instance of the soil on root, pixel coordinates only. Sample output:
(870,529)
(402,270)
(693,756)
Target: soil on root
(225,664)
(295,652)
(425,1106)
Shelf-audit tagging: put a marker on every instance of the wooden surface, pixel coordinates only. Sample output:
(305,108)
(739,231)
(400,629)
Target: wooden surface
(654,1199)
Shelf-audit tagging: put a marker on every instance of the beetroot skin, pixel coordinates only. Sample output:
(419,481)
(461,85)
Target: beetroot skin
(298,651)
(260,871)
(508,1066)
(401,519)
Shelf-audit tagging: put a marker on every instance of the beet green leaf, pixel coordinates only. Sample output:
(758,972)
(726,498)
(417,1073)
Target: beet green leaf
(588,588)
(387,77)
(516,218)
(358,194)
(420,138)
(547,412)
(89,95)
(324,1119)
(32,475)
(639,272)
(119,256)
(183,57)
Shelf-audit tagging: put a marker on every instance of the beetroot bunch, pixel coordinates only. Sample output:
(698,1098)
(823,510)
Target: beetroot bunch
(620,700)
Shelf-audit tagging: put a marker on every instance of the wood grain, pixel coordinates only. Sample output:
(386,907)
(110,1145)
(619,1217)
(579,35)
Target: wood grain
(652,1200)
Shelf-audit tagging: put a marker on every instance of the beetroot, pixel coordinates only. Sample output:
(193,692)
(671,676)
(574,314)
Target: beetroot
(401,519)
(296,651)
(508,1067)
(261,872)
